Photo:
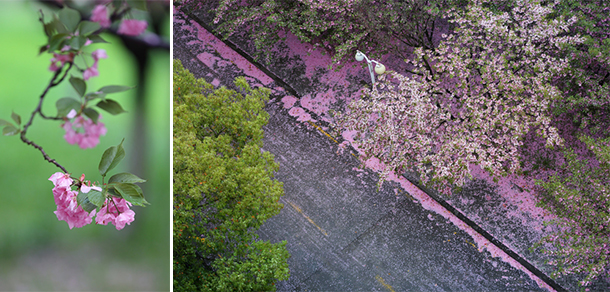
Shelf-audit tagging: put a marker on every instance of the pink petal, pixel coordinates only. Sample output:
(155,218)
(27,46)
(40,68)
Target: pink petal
(71,114)
(53,67)
(88,142)
(90,72)
(99,14)
(99,54)
(132,27)
(71,136)
(61,179)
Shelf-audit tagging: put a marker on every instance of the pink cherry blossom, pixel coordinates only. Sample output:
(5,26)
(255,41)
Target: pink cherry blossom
(99,14)
(117,212)
(92,71)
(74,214)
(114,210)
(86,189)
(84,132)
(465,107)
(132,27)
(67,207)
(71,114)
(99,54)
(61,179)
(62,59)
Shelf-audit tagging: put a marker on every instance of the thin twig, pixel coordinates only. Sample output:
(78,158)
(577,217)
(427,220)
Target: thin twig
(38,110)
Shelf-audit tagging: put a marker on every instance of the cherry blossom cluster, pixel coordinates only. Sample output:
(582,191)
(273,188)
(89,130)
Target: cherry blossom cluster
(69,37)
(65,198)
(129,27)
(468,102)
(114,210)
(83,131)
(99,14)
(93,71)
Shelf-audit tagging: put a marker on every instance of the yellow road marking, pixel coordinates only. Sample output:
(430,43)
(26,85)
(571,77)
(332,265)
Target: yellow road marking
(306,217)
(470,243)
(323,132)
(380,280)
(327,135)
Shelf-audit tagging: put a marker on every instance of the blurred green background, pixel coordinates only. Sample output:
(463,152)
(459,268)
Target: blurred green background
(38,252)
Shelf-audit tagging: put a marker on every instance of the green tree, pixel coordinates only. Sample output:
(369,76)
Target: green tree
(223,189)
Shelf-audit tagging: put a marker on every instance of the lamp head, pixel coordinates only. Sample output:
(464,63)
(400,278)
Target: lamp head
(379,68)
(359,56)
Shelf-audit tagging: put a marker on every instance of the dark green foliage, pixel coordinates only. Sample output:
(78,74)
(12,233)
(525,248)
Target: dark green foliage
(339,27)
(580,198)
(223,189)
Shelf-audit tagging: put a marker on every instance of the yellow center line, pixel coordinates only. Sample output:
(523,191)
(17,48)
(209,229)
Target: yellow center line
(307,217)
(327,135)
(380,280)
(323,132)
(470,243)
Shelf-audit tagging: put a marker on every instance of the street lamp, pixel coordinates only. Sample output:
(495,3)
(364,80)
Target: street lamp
(379,68)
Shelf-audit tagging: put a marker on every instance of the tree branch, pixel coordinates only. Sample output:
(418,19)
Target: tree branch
(52,83)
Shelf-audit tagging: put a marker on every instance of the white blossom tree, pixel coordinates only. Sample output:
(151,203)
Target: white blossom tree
(470,100)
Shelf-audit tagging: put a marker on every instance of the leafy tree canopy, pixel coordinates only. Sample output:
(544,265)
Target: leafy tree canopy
(223,189)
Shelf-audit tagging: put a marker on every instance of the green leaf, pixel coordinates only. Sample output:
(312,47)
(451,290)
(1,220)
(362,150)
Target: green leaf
(137,4)
(65,105)
(125,177)
(97,39)
(83,201)
(16,118)
(49,28)
(10,130)
(5,123)
(111,106)
(96,198)
(57,41)
(92,114)
(77,42)
(54,27)
(43,48)
(111,157)
(131,193)
(87,27)
(69,17)
(93,95)
(115,88)
(113,192)
(79,85)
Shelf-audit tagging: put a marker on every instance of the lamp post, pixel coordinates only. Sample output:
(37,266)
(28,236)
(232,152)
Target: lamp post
(379,68)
